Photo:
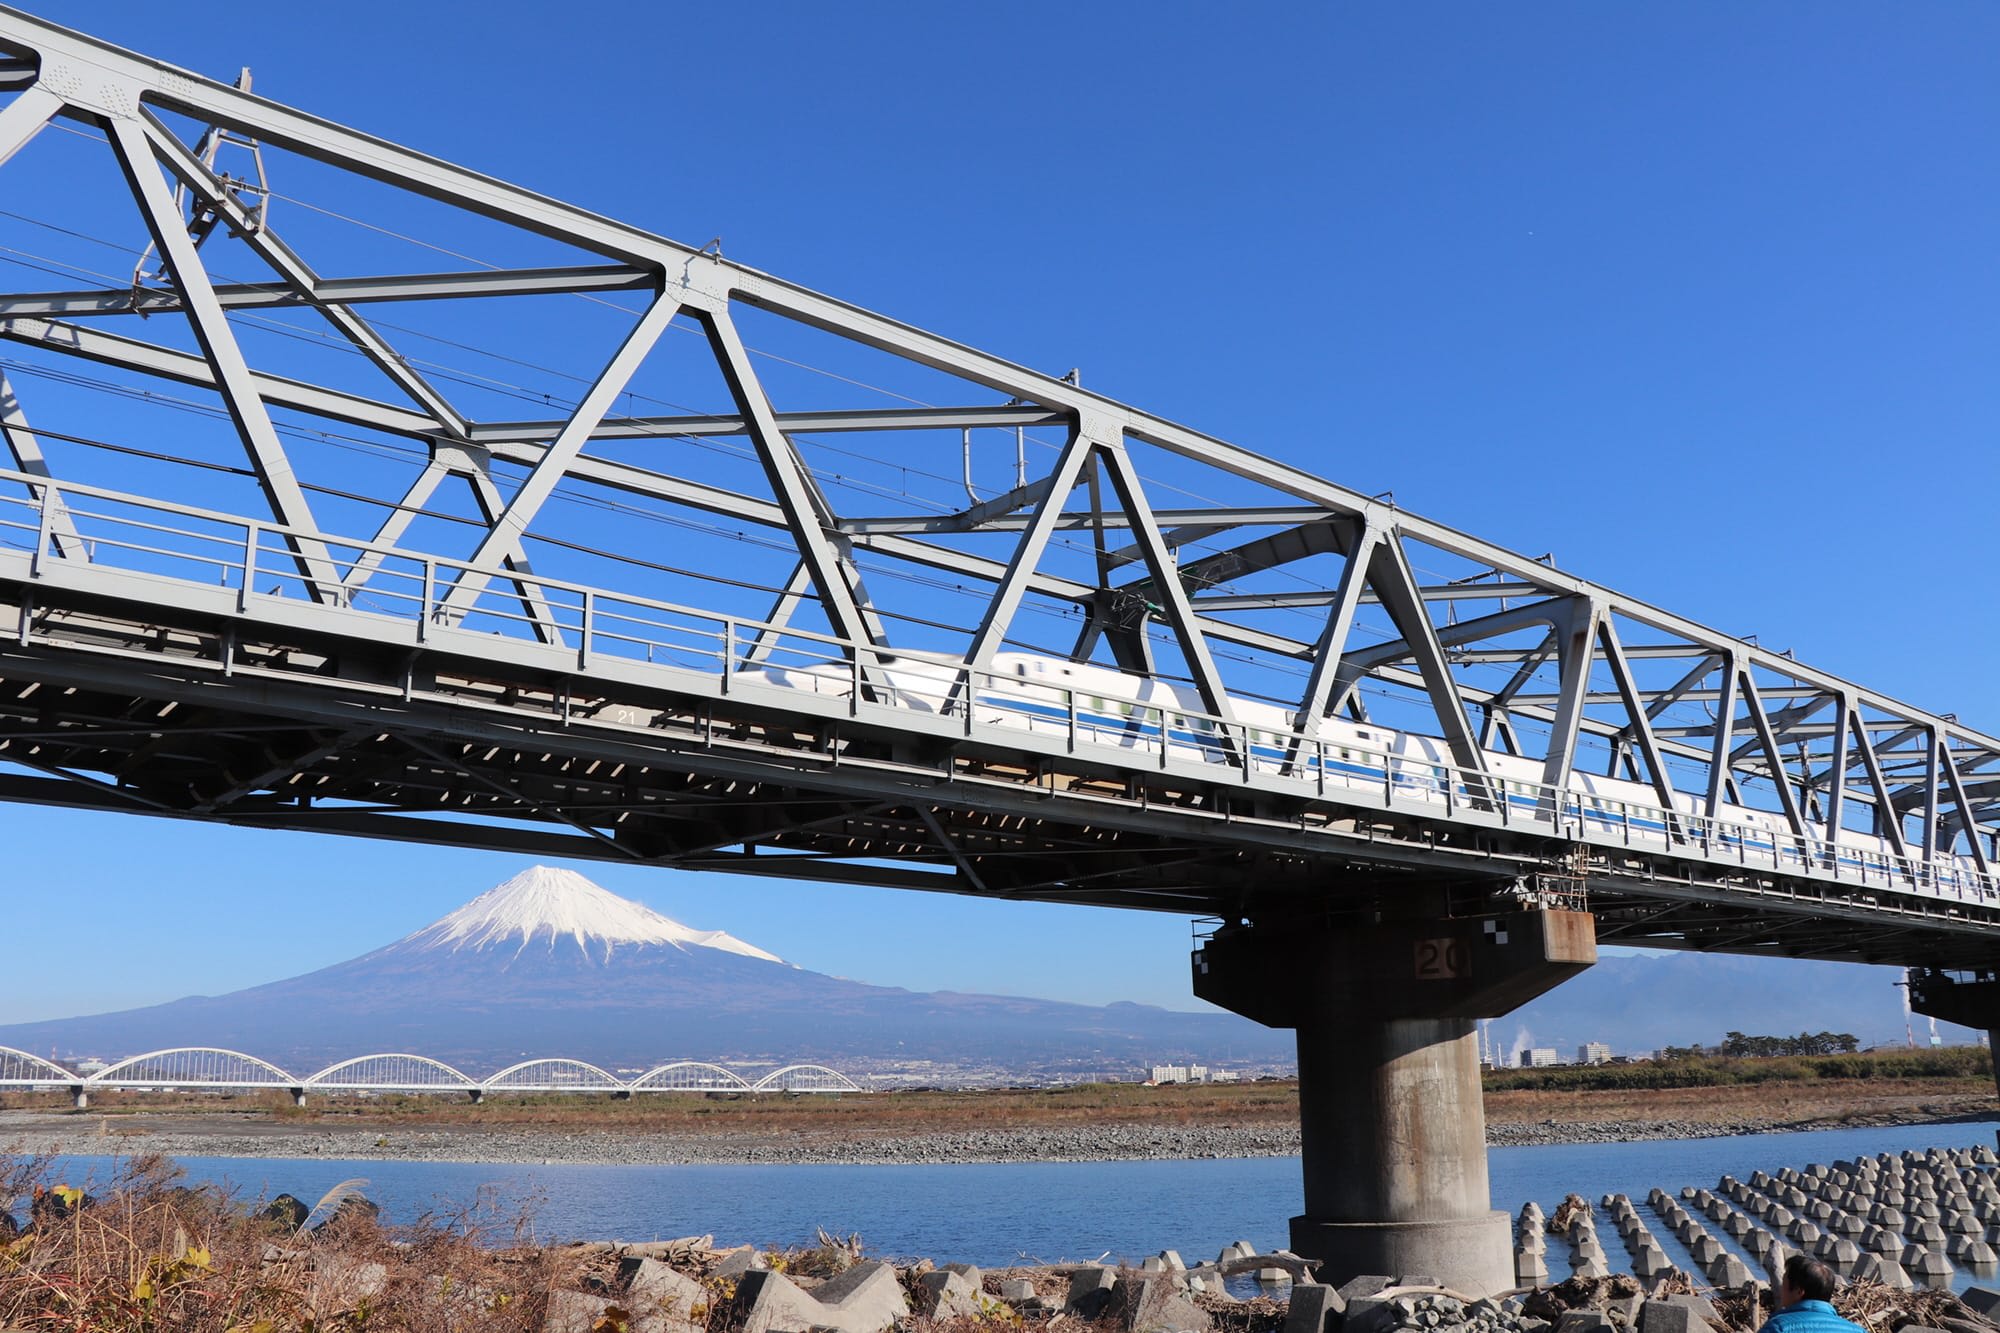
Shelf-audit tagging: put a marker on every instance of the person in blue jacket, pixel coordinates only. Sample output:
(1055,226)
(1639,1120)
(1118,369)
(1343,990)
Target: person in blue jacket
(1805,1291)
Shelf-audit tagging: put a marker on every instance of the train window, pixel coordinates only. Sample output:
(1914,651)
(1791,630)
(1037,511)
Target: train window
(1020,668)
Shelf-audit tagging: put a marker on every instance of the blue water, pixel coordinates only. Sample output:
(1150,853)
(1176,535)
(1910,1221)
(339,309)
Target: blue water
(1001,1214)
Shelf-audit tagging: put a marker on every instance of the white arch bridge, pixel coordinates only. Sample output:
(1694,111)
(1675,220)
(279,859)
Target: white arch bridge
(213,1069)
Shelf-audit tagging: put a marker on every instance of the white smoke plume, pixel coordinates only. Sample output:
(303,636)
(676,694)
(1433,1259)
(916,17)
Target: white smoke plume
(1523,1039)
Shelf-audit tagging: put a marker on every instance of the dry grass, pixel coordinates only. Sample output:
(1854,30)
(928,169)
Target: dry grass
(147,1254)
(1728,1106)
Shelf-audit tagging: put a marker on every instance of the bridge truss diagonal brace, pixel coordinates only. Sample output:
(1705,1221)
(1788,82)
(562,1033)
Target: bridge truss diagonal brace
(1013,585)
(300,276)
(1887,824)
(1396,587)
(1948,768)
(25,117)
(1331,679)
(1641,725)
(1576,648)
(1166,580)
(502,542)
(133,146)
(1767,740)
(806,511)
(26,452)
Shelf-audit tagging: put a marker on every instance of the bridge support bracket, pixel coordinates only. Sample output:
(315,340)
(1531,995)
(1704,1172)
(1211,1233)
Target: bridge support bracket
(1969,998)
(1392,1126)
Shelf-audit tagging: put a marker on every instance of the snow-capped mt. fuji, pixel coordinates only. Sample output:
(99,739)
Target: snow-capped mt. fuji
(549,908)
(549,964)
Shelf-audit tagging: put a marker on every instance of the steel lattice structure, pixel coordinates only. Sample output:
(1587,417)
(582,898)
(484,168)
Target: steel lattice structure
(274,558)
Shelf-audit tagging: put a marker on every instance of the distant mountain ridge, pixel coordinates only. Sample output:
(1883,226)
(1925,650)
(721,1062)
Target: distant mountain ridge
(550,964)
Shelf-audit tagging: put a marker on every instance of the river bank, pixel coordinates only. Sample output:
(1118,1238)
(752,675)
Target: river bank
(881,1130)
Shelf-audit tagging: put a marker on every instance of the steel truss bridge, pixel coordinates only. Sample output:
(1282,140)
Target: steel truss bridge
(212,1069)
(351,490)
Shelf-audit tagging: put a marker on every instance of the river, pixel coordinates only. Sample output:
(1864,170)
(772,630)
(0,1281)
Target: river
(995,1215)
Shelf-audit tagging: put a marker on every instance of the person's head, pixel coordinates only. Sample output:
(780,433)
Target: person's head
(1806,1279)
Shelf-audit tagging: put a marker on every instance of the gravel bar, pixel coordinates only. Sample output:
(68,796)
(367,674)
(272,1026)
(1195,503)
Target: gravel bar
(254,1135)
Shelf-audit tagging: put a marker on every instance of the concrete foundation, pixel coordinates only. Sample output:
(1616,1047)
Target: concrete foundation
(1393,1128)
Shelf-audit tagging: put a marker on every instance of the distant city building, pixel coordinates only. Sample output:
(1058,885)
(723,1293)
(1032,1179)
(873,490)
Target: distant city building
(1593,1053)
(1540,1057)
(1190,1074)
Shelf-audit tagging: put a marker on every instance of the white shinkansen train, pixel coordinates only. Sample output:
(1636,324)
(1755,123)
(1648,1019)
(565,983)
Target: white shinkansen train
(1108,707)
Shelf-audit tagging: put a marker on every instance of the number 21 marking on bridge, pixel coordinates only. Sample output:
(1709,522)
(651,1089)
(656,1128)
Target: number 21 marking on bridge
(1440,960)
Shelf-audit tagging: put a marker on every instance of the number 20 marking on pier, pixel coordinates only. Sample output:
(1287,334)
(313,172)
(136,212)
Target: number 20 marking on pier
(1440,960)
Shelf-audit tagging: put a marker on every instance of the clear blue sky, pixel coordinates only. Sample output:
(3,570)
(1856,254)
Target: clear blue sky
(1705,298)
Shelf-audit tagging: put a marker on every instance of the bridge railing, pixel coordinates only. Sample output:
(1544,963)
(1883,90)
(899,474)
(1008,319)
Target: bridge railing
(77,525)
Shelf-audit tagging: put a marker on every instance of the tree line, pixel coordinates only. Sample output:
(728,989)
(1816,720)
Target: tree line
(1737,1045)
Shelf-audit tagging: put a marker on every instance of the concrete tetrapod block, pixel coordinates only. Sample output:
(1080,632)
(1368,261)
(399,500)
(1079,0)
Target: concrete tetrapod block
(1583,1321)
(1155,1305)
(1090,1289)
(662,1299)
(1930,1268)
(1530,1269)
(866,1298)
(1705,1249)
(574,1312)
(1881,1240)
(339,1284)
(735,1263)
(1726,1270)
(1314,1308)
(1017,1291)
(948,1295)
(773,1303)
(1976,1253)
(1983,1301)
(1665,1316)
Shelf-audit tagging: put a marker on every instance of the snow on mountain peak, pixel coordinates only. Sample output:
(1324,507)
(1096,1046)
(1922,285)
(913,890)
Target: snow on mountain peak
(542,901)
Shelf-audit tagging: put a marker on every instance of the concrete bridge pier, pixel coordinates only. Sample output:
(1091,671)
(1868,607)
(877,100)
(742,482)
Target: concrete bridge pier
(298,1096)
(79,1096)
(1392,1122)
